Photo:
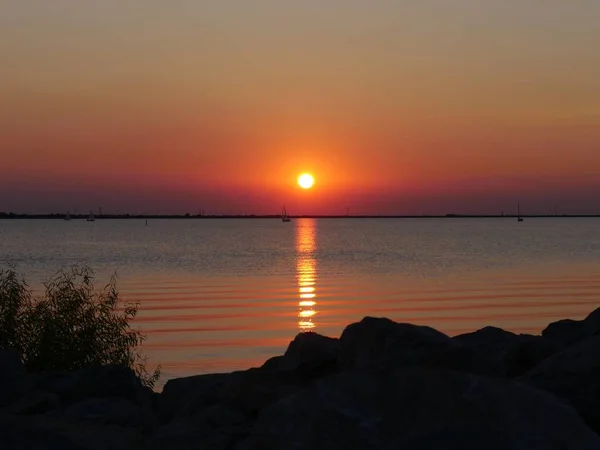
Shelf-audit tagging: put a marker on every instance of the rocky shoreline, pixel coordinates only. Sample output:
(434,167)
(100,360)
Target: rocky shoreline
(381,385)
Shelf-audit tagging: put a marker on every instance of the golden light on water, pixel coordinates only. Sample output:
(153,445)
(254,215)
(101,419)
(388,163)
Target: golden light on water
(307,292)
(305,303)
(306,272)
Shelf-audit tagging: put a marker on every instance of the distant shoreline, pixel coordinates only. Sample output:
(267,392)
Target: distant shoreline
(274,216)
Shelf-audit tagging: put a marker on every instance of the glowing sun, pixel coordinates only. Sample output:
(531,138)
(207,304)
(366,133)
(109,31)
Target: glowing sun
(306,181)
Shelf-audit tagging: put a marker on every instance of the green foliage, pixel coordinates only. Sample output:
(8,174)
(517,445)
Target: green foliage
(72,326)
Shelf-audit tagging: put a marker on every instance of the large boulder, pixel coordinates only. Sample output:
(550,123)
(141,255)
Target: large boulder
(111,411)
(187,395)
(216,427)
(569,332)
(566,331)
(419,409)
(56,433)
(13,378)
(593,321)
(374,339)
(382,342)
(573,374)
(35,402)
(309,354)
(19,434)
(110,381)
(250,390)
(516,353)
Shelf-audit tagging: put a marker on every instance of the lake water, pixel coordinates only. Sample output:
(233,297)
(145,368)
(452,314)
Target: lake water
(219,295)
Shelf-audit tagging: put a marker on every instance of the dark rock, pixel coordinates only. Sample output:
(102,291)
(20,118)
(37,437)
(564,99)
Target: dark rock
(52,433)
(111,411)
(306,346)
(254,389)
(216,427)
(593,321)
(573,374)
(419,409)
(17,434)
(386,343)
(13,378)
(376,338)
(382,385)
(224,415)
(187,395)
(373,342)
(486,436)
(566,332)
(276,363)
(569,332)
(516,353)
(190,437)
(110,381)
(460,358)
(251,390)
(36,402)
(309,354)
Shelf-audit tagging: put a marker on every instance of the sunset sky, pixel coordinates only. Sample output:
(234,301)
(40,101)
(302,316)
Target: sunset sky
(431,106)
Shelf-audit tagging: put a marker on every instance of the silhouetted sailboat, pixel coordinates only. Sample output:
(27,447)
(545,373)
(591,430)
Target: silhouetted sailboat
(91,217)
(519,218)
(284,215)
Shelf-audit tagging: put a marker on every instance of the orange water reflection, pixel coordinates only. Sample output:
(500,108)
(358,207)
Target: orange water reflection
(306,272)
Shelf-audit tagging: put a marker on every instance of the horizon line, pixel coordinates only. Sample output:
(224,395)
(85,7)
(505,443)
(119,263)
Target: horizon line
(81,216)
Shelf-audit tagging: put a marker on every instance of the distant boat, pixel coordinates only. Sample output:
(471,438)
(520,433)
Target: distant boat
(284,215)
(91,217)
(519,218)
(68,216)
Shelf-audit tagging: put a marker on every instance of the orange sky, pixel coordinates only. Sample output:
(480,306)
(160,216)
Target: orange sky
(438,107)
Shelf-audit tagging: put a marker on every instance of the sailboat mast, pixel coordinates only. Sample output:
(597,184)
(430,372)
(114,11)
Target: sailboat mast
(284,215)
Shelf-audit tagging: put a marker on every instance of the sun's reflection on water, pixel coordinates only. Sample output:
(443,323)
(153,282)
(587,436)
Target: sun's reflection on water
(306,272)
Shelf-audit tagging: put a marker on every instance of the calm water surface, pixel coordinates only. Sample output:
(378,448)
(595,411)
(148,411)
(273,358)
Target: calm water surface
(219,295)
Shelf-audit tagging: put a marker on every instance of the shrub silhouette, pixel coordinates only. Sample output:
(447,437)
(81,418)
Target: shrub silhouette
(72,326)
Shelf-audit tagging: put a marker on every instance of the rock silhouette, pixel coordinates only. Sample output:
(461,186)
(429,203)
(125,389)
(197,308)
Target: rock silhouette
(381,385)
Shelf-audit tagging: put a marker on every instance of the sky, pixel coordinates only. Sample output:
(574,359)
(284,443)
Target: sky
(429,107)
